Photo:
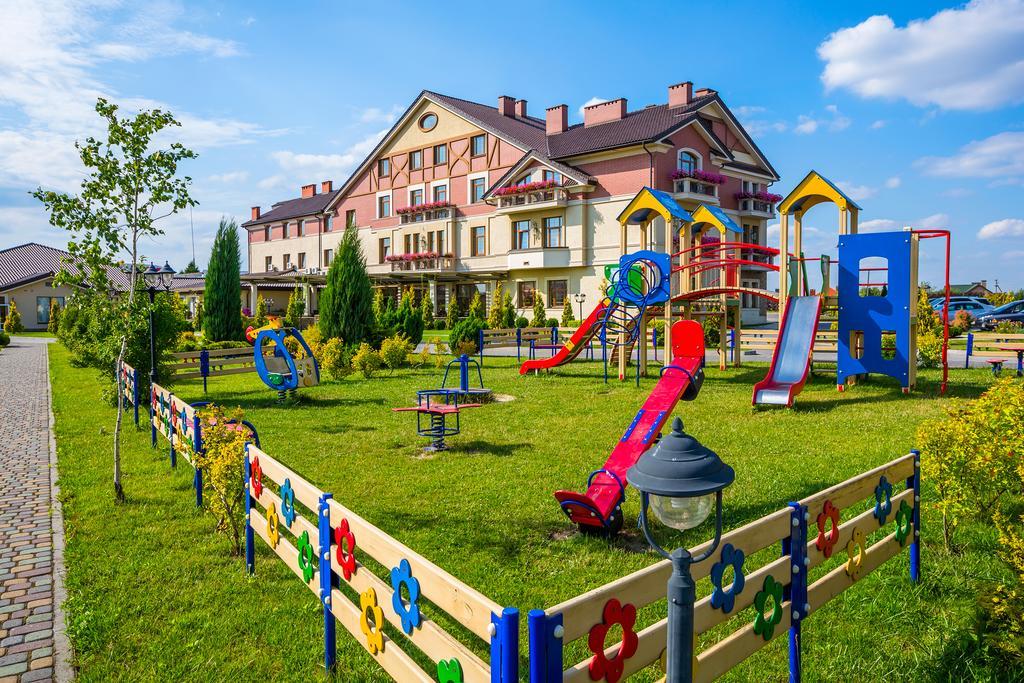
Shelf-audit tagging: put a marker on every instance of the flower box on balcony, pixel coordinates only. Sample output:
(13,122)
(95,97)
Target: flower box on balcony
(425,212)
(706,177)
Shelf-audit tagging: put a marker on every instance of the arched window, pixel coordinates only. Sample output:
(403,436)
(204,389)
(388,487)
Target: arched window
(688,161)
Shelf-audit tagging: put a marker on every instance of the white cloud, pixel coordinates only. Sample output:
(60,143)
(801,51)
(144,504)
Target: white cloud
(299,168)
(880,123)
(1008,227)
(857,192)
(878,225)
(998,156)
(967,58)
(230,177)
(747,109)
(933,222)
(957,192)
(893,182)
(834,122)
(1014,255)
(591,102)
(756,125)
(378,115)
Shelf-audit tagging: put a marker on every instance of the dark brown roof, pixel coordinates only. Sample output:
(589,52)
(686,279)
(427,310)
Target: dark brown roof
(294,208)
(528,132)
(30,262)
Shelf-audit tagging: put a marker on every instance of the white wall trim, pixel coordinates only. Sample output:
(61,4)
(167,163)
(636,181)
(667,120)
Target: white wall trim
(376,204)
(469,185)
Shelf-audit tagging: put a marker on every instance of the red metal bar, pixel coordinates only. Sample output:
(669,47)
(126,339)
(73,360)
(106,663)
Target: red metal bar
(729,245)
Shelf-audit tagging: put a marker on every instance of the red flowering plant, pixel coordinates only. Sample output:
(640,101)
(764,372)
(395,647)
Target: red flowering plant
(760,196)
(698,174)
(429,206)
(525,187)
(416,256)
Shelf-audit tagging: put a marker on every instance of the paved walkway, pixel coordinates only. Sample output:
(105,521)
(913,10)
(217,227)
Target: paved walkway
(32,642)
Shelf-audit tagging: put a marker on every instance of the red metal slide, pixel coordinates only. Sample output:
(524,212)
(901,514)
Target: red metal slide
(577,342)
(606,488)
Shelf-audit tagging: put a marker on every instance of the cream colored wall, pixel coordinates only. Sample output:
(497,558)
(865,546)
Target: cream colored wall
(25,299)
(411,137)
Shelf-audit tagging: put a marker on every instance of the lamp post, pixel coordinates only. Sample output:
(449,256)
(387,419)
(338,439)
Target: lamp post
(155,277)
(680,480)
(580,297)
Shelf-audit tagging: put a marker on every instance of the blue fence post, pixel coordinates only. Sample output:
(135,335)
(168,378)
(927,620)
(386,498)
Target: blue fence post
(914,481)
(795,547)
(135,394)
(170,436)
(480,343)
(250,548)
(519,343)
(152,422)
(970,348)
(330,643)
(204,366)
(505,646)
(197,446)
(545,646)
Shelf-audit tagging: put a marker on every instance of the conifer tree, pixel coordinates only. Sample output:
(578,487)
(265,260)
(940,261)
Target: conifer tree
(346,306)
(497,314)
(222,302)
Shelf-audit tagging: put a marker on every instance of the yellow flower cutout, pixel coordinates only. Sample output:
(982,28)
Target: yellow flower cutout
(855,554)
(371,621)
(273,521)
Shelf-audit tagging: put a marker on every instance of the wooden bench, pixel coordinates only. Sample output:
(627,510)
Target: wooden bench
(825,343)
(988,343)
(214,362)
(514,337)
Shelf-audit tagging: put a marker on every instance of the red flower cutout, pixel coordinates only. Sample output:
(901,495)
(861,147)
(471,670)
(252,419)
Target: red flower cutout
(256,477)
(600,666)
(346,552)
(826,543)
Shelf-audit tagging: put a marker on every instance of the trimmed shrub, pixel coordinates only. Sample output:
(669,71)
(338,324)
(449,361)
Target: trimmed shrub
(929,350)
(5,338)
(427,311)
(296,308)
(508,312)
(551,322)
(451,316)
(335,358)
(567,313)
(522,322)
(260,315)
(540,315)
(54,322)
(409,319)
(346,304)
(477,308)
(197,317)
(497,314)
(394,352)
(366,360)
(465,347)
(467,330)
(221,459)
(12,323)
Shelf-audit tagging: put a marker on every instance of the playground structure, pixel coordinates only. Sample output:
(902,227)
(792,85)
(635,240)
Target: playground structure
(326,545)
(269,357)
(436,406)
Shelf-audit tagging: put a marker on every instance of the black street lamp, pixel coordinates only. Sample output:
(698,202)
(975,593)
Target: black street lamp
(162,278)
(580,297)
(680,480)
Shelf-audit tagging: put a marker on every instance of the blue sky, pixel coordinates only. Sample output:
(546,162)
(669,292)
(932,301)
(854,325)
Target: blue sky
(915,108)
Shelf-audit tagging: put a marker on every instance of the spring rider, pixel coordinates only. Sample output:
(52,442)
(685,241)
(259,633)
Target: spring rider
(434,406)
(281,371)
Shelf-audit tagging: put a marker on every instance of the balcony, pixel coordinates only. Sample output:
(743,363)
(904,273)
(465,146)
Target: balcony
(420,263)
(756,208)
(695,190)
(535,200)
(415,215)
(541,257)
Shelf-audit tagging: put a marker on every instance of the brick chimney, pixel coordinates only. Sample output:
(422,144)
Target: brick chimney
(680,94)
(327,186)
(705,91)
(506,105)
(604,112)
(521,108)
(255,213)
(557,119)
(308,191)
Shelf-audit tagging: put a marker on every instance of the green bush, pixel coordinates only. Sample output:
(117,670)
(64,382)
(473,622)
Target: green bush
(522,322)
(335,358)
(366,360)
(54,322)
(929,350)
(712,332)
(539,313)
(296,308)
(410,319)
(5,338)
(1009,327)
(394,352)
(508,312)
(12,323)
(468,331)
(567,313)
(1001,625)
(451,316)
(497,313)
(551,322)
(260,314)
(197,317)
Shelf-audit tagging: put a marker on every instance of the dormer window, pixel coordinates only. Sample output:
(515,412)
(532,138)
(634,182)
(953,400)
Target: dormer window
(688,161)
(525,179)
(554,176)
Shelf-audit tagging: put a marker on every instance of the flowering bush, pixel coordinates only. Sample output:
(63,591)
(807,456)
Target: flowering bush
(525,187)
(418,256)
(702,176)
(760,196)
(1009,327)
(429,206)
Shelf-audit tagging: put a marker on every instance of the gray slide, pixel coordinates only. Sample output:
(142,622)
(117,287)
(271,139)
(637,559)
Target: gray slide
(791,360)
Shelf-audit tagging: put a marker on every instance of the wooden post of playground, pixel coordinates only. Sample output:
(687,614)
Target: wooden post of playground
(783,261)
(666,356)
(798,250)
(641,338)
(737,334)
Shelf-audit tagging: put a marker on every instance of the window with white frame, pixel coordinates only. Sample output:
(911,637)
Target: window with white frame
(477,185)
(384,205)
(440,192)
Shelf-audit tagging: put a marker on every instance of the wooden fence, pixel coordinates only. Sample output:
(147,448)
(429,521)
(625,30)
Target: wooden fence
(128,387)
(781,584)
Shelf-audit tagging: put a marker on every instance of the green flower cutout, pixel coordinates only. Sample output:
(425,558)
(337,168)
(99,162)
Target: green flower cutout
(904,522)
(449,671)
(764,626)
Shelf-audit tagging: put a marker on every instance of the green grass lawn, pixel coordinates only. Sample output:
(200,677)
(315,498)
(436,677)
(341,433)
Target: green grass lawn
(153,594)
(35,333)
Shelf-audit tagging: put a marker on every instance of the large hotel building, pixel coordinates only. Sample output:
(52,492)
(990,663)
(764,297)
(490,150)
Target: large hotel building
(459,196)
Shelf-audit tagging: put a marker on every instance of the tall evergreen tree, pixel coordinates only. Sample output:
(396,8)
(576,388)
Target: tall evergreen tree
(346,305)
(222,307)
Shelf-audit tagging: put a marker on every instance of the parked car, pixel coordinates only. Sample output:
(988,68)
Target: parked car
(936,302)
(1013,311)
(974,309)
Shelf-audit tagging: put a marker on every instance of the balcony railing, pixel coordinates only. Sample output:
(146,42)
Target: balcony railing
(435,264)
(540,198)
(696,189)
(756,207)
(426,215)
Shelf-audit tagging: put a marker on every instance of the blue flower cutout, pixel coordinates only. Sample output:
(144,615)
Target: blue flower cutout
(721,598)
(183,420)
(288,503)
(410,615)
(883,500)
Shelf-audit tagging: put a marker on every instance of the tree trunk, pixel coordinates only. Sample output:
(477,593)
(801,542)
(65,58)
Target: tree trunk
(118,489)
